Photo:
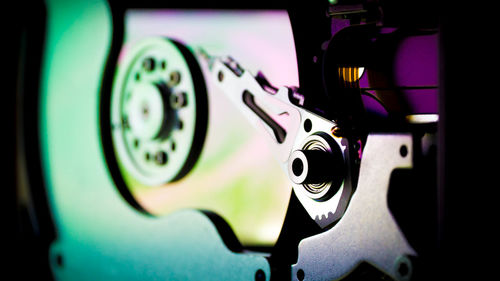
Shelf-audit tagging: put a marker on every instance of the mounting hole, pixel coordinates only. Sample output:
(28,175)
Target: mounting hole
(161,158)
(59,260)
(260,275)
(220,76)
(144,120)
(149,64)
(297,167)
(403,269)
(403,150)
(307,125)
(300,274)
(175,78)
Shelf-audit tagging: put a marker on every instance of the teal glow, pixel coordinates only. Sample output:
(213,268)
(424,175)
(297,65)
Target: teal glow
(99,236)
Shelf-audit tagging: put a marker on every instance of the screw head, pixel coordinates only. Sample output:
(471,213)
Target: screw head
(336,131)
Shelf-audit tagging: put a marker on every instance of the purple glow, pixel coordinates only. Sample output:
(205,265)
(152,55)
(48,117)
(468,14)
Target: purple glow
(258,40)
(414,77)
(416,62)
(416,65)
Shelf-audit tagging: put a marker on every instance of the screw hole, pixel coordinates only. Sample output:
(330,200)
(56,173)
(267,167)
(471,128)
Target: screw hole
(149,64)
(161,158)
(403,269)
(307,125)
(220,76)
(300,274)
(175,78)
(403,150)
(260,275)
(59,260)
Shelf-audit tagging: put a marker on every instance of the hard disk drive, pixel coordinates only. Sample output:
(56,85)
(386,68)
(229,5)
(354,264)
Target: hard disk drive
(163,140)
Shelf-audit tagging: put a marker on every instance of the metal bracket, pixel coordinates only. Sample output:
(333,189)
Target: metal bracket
(367,232)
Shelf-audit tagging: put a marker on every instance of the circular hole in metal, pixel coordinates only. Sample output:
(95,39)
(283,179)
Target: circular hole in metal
(260,275)
(307,125)
(161,158)
(297,167)
(336,131)
(59,260)
(300,274)
(403,150)
(145,79)
(220,76)
(178,100)
(125,124)
(149,64)
(403,269)
(175,78)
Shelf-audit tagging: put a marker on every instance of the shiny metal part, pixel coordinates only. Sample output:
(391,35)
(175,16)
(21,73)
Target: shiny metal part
(271,112)
(172,260)
(152,106)
(325,207)
(367,231)
(422,118)
(318,166)
(291,129)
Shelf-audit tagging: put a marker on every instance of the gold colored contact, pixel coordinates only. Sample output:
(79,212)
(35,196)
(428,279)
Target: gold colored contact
(350,76)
